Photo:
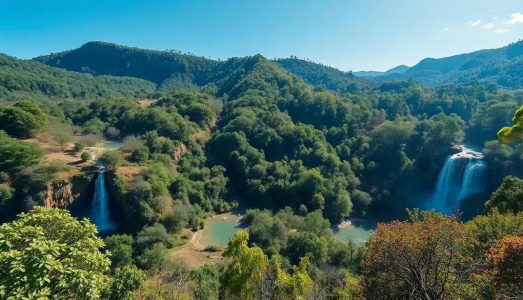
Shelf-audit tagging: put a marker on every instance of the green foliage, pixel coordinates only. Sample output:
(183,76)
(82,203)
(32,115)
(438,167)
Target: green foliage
(303,244)
(85,156)
(15,155)
(497,66)
(323,76)
(508,197)
(23,119)
(109,59)
(6,193)
(22,77)
(513,133)
(151,235)
(94,126)
(78,146)
(309,156)
(124,283)
(120,247)
(246,269)
(111,159)
(140,154)
(206,282)
(153,258)
(493,226)
(46,252)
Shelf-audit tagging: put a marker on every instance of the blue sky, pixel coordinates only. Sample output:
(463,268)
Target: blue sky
(349,35)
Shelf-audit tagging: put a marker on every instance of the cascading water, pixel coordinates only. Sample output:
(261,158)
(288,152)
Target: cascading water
(462,175)
(99,212)
(474,179)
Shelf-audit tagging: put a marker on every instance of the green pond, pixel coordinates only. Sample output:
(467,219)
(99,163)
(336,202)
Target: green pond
(218,231)
(115,145)
(358,232)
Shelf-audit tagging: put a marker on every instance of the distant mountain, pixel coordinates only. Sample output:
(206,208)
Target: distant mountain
(323,76)
(396,70)
(170,70)
(502,66)
(164,68)
(22,78)
(174,70)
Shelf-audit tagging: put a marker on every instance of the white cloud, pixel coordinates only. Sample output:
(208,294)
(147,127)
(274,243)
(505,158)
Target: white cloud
(474,23)
(515,18)
(501,30)
(489,25)
(444,29)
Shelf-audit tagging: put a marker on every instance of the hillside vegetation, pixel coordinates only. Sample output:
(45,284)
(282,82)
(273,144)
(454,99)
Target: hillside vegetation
(297,146)
(19,78)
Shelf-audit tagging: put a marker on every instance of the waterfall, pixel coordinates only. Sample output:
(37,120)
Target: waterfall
(474,179)
(99,212)
(462,175)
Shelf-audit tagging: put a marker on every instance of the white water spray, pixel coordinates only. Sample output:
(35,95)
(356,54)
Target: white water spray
(462,175)
(99,212)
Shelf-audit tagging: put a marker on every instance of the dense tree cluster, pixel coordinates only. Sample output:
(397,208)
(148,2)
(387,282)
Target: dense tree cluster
(19,78)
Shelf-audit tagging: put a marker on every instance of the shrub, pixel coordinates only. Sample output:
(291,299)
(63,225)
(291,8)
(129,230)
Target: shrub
(140,154)
(111,159)
(212,248)
(3,177)
(111,132)
(78,146)
(85,156)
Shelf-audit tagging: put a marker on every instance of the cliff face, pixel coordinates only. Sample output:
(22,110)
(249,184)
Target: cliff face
(63,192)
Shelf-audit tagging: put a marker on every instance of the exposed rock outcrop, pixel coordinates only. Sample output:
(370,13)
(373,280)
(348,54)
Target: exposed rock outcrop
(65,191)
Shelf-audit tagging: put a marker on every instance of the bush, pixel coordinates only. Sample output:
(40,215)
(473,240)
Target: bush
(3,177)
(22,119)
(111,159)
(212,248)
(111,132)
(140,154)
(120,246)
(6,193)
(131,143)
(85,156)
(153,234)
(14,154)
(153,257)
(78,146)
(90,140)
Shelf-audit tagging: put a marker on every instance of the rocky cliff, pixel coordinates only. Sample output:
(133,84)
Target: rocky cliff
(65,191)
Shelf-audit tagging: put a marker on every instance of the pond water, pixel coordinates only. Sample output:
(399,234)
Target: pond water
(114,145)
(219,230)
(358,232)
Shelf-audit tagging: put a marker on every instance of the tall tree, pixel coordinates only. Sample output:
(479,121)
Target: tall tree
(422,258)
(246,269)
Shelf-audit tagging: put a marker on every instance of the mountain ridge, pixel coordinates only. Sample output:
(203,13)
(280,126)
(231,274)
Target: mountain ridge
(499,65)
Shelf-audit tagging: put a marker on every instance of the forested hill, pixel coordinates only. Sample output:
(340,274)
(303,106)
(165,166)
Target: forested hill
(168,69)
(171,70)
(502,66)
(323,76)
(21,78)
